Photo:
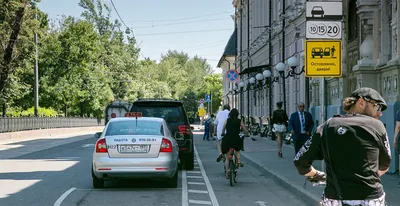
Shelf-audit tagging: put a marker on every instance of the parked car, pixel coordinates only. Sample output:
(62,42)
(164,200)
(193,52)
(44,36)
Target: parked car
(135,148)
(174,113)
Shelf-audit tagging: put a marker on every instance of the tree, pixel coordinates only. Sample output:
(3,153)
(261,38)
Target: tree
(16,25)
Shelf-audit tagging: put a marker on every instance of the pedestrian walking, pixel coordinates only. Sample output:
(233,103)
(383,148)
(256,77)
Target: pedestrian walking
(207,123)
(355,149)
(301,124)
(280,122)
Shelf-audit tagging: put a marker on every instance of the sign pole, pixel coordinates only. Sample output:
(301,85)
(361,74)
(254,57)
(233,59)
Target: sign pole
(210,102)
(322,90)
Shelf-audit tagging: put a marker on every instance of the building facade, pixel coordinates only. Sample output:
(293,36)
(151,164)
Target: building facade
(272,31)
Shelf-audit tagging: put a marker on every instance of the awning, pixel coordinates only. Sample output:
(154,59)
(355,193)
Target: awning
(255,69)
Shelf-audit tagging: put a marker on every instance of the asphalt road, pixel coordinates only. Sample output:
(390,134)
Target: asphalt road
(60,176)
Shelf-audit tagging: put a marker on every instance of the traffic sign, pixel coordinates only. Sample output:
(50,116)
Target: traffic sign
(232,75)
(323,29)
(208,99)
(323,58)
(324,10)
(201,101)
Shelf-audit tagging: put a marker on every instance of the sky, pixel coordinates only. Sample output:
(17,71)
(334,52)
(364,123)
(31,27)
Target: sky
(200,27)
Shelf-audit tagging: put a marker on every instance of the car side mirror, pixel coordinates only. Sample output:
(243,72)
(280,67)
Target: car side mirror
(97,135)
(191,128)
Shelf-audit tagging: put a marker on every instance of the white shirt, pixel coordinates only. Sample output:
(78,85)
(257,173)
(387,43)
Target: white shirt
(302,116)
(220,120)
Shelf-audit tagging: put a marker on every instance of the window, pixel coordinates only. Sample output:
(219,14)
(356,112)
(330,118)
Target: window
(129,127)
(352,20)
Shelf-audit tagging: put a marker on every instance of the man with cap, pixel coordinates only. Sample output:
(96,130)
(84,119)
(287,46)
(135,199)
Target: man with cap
(355,149)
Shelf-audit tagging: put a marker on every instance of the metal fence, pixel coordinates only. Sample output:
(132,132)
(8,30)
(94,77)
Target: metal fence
(8,124)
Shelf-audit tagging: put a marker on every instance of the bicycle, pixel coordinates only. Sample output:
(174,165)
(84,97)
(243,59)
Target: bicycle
(233,165)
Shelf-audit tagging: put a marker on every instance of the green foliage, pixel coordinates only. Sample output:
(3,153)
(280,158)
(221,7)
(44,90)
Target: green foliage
(86,63)
(42,112)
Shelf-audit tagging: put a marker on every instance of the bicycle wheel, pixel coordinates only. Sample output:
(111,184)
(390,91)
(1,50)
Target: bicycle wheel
(231,172)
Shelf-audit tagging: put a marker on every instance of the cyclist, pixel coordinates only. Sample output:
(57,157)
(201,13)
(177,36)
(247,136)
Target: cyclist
(356,151)
(232,138)
(219,121)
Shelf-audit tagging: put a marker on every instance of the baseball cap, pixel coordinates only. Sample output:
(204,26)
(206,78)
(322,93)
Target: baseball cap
(370,93)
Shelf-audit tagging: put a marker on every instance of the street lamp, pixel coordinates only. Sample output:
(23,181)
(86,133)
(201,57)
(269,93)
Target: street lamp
(281,67)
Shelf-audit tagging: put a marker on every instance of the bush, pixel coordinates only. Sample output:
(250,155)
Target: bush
(42,112)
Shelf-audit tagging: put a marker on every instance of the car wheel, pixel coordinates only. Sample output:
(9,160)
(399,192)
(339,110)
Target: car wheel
(189,161)
(173,182)
(97,182)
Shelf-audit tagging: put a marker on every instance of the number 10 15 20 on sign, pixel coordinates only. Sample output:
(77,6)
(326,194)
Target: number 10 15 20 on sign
(323,30)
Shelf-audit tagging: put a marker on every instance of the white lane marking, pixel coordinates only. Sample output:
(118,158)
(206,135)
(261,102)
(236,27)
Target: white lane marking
(196,183)
(200,202)
(88,145)
(67,157)
(198,191)
(185,198)
(196,167)
(206,180)
(195,177)
(195,172)
(63,196)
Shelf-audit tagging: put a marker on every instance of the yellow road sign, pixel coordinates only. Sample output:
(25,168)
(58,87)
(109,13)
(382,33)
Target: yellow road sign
(323,58)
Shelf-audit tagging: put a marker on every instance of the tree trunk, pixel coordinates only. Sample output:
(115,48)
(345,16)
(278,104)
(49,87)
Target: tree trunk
(6,69)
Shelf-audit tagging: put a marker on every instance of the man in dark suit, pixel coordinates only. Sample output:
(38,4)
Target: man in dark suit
(301,124)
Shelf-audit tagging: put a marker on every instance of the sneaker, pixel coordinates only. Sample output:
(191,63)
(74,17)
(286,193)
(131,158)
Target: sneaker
(398,184)
(219,158)
(280,154)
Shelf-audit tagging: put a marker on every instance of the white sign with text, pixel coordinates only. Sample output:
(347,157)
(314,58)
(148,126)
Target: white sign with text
(323,30)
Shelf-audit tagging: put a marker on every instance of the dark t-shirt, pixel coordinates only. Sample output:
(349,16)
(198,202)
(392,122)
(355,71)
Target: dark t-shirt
(358,147)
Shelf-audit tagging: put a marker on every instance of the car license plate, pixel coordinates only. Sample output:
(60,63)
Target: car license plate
(133,148)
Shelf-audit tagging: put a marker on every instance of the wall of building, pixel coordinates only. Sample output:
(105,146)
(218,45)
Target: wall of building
(370,56)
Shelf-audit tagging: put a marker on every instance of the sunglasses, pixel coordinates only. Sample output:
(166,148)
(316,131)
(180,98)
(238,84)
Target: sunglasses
(377,106)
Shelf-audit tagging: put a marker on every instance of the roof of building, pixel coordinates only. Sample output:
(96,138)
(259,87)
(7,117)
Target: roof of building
(230,48)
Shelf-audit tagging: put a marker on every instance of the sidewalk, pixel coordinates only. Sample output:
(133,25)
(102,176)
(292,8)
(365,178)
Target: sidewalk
(263,154)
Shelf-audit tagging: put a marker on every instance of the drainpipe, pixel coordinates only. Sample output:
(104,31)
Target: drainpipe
(283,50)
(270,58)
(241,53)
(248,52)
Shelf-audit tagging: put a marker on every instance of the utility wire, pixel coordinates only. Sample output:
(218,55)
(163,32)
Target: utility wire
(182,32)
(182,19)
(169,24)
(116,11)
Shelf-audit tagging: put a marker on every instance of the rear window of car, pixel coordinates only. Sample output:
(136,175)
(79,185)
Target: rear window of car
(142,127)
(171,114)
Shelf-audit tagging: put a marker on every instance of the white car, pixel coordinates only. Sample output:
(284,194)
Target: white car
(135,148)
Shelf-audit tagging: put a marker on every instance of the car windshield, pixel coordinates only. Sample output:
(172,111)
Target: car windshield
(142,127)
(171,114)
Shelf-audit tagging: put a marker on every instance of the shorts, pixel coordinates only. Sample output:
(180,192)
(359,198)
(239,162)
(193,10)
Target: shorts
(373,202)
(280,128)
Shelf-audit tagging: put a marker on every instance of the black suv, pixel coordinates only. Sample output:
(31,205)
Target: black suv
(174,114)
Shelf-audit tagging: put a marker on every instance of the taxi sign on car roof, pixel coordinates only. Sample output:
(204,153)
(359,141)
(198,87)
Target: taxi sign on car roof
(133,114)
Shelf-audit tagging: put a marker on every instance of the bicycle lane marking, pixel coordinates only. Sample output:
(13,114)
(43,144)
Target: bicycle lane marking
(210,190)
(185,198)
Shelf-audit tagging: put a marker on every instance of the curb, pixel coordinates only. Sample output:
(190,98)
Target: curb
(303,194)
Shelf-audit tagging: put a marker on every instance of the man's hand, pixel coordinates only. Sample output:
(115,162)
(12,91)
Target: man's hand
(308,133)
(395,144)
(318,177)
